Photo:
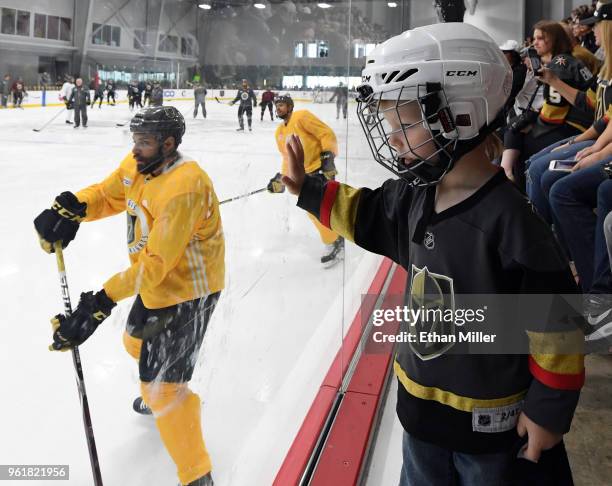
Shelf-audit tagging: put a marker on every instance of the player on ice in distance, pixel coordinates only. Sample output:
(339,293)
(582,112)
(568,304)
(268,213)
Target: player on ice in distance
(65,93)
(429,105)
(176,248)
(247,99)
(341,97)
(320,149)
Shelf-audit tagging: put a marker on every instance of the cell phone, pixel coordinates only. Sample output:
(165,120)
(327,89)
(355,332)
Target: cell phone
(534,60)
(562,165)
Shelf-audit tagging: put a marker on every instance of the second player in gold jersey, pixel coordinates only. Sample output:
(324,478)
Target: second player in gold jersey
(320,150)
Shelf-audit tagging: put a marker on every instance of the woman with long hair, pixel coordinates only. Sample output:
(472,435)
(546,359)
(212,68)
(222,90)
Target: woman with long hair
(558,118)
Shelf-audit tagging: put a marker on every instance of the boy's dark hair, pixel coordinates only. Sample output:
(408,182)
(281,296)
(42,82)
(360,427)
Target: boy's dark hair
(556,34)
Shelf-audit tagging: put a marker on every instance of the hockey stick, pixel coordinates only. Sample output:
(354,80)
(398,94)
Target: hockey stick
(124,123)
(45,125)
(76,359)
(221,102)
(244,195)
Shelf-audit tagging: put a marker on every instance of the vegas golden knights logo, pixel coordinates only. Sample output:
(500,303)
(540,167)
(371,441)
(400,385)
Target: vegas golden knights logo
(431,298)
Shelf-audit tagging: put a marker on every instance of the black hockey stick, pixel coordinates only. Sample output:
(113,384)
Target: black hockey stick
(244,195)
(124,123)
(54,117)
(221,102)
(76,359)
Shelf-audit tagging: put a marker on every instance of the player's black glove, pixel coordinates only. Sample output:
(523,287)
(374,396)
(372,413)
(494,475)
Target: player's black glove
(73,330)
(522,121)
(328,168)
(61,222)
(275,185)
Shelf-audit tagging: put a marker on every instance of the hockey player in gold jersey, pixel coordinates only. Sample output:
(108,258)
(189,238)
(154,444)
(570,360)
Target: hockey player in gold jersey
(176,249)
(320,149)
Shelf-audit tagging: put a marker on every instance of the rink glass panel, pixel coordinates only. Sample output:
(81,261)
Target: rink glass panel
(282,316)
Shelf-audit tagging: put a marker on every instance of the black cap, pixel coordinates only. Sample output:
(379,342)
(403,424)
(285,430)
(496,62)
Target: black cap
(603,11)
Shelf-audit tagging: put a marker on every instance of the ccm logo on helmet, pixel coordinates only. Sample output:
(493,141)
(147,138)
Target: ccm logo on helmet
(462,73)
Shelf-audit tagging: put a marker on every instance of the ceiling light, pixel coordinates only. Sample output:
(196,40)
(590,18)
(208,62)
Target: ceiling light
(204,6)
(259,5)
(391,4)
(323,5)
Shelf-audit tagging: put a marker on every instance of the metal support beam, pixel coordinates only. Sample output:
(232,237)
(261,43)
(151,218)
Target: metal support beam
(81,22)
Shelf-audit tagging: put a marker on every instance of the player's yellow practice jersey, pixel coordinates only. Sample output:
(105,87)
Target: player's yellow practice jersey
(175,237)
(315,135)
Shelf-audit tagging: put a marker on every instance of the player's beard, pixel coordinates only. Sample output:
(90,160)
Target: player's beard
(147,165)
(284,116)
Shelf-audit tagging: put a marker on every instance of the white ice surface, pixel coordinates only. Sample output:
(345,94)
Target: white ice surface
(272,338)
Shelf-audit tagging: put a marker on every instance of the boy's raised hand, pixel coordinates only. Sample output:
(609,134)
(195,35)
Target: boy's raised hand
(295,165)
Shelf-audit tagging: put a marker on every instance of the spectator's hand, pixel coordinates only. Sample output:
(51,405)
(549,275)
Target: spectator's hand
(585,152)
(547,76)
(295,165)
(589,161)
(538,438)
(508,170)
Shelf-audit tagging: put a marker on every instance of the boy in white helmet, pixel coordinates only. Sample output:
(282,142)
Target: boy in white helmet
(430,102)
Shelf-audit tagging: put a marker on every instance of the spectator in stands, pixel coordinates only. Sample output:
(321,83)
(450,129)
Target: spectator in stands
(583,32)
(558,119)
(44,80)
(519,70)
(539,178)
(582,53)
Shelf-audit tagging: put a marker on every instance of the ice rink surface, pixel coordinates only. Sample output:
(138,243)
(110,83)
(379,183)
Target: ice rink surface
(277,327)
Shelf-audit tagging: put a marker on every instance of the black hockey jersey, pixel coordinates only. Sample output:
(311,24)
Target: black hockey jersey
(556,109)
(340,94)
(246,97)
(491,243)
(599,98)
(133,91)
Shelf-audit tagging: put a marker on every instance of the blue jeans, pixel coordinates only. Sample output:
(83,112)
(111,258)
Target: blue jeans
(427,464)
(537,167)
(572,200)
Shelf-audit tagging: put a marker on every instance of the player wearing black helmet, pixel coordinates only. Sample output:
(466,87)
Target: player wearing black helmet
(176,249)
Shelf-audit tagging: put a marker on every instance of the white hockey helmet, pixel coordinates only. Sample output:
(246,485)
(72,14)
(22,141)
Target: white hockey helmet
(458,76)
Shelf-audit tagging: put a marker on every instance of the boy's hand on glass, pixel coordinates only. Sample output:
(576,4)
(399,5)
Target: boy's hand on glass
(538,438)
(295,165)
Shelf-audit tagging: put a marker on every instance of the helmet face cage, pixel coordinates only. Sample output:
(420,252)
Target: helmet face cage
(436,118)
